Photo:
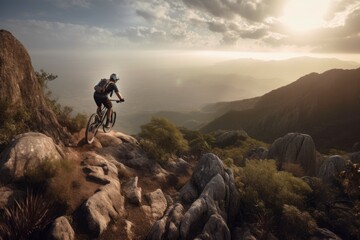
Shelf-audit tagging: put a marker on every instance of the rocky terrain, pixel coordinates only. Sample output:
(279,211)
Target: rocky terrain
(114,189)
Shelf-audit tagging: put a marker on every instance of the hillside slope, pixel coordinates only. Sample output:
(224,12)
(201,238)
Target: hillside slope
(20,90)
(326,106)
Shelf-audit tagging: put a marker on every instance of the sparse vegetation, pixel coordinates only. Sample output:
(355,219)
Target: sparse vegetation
(12,121)
(64,114)
(27,218)
(162,140)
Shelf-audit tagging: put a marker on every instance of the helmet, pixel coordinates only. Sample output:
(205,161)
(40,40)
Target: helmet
(114,77)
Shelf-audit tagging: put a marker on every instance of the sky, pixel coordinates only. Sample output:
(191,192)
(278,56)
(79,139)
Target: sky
(317,26)
(159,47)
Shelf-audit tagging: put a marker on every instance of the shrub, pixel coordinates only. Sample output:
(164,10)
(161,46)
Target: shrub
(27,218)
(296,224)
(198,143)
(64,114)
(263,187)
(161,139)
(12,121)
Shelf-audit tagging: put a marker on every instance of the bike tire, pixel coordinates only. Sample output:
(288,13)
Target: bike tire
(113,119)
(91,129)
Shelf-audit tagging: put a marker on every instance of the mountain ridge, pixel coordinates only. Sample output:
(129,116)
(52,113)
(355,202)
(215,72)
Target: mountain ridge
(317,104)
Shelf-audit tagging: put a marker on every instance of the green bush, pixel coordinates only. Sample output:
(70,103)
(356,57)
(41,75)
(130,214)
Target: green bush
(48,169)
(161,139)
(198,143)
(264,188)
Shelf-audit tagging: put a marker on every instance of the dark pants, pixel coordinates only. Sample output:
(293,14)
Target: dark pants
(102,99)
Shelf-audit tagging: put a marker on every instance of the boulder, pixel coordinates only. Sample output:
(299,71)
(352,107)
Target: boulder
(132,191)
(27,153)
(61,230)
(108,139)
(158,203)
(295,148)
(213,202)
(229,137)
(178,166)
(256,153)
(331,167)
(355,157)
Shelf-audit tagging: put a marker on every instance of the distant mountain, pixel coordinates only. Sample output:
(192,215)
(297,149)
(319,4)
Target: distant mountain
(286,70)
(326,106)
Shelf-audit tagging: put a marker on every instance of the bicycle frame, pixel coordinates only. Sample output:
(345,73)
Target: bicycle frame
(95,122)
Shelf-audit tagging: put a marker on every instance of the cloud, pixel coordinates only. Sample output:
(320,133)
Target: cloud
(71,3)
(252,10)
(44,35)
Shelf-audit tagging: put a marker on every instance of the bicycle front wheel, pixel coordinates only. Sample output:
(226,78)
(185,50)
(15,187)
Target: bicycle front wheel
(112,119)
(91,128)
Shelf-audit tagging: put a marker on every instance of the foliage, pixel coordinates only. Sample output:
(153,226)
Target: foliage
(198,143)
(60,186)
(296,224)
(264,188)
(64,114)
(350,179)
(237,153)
(44,77)
(161,139)
(12,121)
(48,169)
(27,218)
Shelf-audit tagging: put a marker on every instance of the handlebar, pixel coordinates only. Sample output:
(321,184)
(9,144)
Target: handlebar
(113,100)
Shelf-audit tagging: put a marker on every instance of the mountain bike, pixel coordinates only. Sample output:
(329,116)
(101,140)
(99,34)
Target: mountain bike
(96,120)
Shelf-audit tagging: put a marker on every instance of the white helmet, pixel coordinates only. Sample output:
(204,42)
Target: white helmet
(114,77)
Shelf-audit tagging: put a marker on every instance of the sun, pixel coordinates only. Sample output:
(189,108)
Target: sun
(304,15)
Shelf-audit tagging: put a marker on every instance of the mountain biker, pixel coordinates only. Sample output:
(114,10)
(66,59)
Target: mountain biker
(102,98)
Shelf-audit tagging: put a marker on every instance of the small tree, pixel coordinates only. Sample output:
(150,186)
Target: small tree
(162,137)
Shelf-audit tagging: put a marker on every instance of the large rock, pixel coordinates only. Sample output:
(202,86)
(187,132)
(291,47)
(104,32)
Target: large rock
(61,230)
(20,88)
(157,203)
(107,204)
(132,191)
(331,167)
(27,153)
(295,148)
(213,205)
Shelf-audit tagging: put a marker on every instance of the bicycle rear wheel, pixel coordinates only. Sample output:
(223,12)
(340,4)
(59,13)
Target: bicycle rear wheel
(91,128)
(113,119)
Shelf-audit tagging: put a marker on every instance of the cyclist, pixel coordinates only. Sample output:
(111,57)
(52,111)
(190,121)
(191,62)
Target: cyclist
(102,97)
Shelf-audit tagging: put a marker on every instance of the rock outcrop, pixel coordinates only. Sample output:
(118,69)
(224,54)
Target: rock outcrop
(27,153)
(295,148)
(20,89)
(107,204)
(331,167)
(207,206)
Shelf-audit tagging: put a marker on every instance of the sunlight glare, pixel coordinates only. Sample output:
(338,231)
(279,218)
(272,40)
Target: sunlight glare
(304,15)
